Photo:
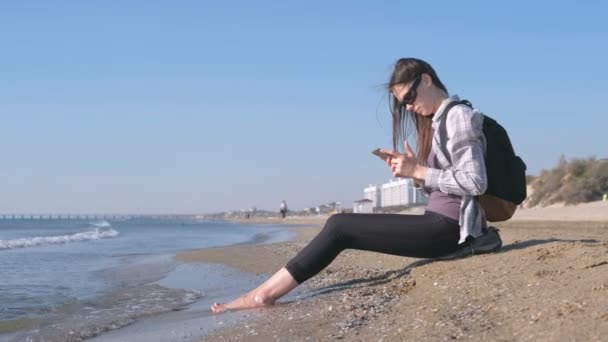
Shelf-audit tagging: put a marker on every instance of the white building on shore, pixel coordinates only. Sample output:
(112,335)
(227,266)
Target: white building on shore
(400,192)
(397,192)
(363,206)
(374,194)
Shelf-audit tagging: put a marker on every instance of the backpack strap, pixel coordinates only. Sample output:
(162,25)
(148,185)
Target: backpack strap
(443,131)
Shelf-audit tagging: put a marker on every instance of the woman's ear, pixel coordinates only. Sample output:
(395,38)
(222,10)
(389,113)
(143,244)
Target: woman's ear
(427,80)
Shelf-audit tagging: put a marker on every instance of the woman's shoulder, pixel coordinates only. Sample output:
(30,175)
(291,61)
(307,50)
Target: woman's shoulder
(463,117)
(462,112)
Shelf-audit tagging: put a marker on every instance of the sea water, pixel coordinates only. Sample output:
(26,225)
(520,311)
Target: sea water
(76,279)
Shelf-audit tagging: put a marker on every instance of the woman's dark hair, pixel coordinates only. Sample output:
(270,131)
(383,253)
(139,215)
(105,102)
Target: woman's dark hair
(407,70)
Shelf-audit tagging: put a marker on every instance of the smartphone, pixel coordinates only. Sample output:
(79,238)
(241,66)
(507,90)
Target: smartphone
(381,155)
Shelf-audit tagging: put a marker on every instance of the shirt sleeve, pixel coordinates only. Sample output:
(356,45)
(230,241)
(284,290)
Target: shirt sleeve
(465,146)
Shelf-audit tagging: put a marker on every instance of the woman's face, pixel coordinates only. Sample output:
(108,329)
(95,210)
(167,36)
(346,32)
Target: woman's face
(416,95)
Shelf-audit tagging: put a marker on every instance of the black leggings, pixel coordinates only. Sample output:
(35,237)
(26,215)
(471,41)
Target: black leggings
(421,236)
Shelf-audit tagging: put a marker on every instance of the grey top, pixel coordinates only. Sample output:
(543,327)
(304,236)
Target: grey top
(464,172)
(440,202)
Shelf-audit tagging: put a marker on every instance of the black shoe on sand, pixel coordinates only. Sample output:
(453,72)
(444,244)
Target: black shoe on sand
(489,242)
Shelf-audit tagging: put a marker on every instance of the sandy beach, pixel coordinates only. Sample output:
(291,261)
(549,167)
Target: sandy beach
(548,283)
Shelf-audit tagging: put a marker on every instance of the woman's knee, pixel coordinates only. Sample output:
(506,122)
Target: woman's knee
(336,223)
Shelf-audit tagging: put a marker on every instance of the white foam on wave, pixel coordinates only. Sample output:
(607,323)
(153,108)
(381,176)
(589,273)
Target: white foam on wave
(113,311)
(101,224)
(94,234)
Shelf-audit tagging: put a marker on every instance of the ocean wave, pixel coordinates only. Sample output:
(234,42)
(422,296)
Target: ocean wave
(113,311)
(101,224)
(94,234)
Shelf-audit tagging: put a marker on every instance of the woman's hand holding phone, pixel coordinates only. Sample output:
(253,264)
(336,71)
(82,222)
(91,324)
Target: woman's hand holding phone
(402,164)
(381,154)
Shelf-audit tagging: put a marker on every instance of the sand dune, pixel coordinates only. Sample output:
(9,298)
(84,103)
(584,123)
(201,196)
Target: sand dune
(593,211)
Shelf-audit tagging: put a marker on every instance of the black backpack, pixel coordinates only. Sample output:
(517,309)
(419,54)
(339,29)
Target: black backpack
(506,171)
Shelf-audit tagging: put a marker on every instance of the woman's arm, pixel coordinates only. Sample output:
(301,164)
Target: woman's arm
(465,146)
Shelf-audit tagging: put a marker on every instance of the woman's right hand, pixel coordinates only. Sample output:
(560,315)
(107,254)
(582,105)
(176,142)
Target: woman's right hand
(402,164)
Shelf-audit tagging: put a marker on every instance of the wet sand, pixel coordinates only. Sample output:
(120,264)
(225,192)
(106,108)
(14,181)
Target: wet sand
(549,283)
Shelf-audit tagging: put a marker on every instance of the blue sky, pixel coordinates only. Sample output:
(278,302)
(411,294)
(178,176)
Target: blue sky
(202,106)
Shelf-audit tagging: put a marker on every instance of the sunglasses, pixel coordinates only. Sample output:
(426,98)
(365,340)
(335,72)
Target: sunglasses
(410,96)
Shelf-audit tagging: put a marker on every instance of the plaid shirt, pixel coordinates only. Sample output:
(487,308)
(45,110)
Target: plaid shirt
(463,170)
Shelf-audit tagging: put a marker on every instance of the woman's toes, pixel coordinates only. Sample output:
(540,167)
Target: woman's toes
(217,307)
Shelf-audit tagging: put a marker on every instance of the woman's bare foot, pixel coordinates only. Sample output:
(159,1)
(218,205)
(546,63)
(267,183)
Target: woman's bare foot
(265,295)
(249,301)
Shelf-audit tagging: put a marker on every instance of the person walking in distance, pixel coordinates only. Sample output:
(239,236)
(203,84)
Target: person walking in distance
(283,208)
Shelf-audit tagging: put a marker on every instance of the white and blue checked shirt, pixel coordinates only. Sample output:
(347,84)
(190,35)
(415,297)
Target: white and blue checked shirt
(463,171)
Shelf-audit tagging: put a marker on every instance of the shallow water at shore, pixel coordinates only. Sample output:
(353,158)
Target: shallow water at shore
(194,322)
(77,289)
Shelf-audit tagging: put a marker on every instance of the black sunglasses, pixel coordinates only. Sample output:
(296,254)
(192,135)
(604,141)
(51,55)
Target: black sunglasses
(411,94)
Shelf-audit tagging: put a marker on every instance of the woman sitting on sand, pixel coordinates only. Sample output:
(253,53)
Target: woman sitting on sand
(453,221)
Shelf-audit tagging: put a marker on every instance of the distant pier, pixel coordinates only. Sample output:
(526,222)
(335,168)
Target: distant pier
(94,217)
